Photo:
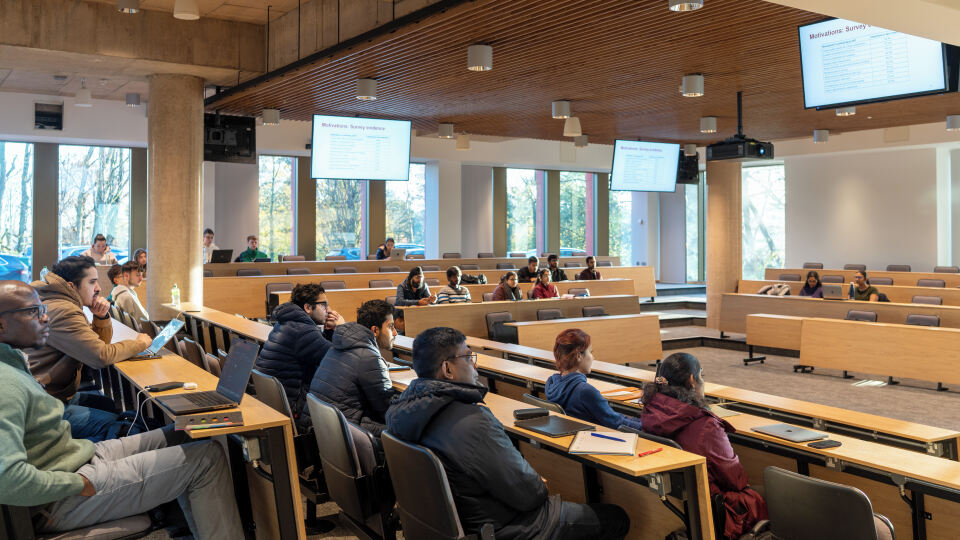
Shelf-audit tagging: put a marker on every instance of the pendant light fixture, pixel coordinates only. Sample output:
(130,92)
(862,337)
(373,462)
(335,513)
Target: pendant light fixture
(560,109)
(479,57)
(445,131)
(128,6)
(684,5)
(463,141)
(271,117)
(580,141)
(953,122)
(571,127)
(186,10)
(83,97)
(821,135)
(692,85)
(708,124)
(690,150)
(132,99)
(366,89)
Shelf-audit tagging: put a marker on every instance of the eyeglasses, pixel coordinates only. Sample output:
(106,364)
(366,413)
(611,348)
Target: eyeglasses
(324,304)
(472,357)
(39,311)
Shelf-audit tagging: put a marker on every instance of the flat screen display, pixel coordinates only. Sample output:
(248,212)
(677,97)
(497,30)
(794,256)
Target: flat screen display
(346,148)
(644,166)
(845,63)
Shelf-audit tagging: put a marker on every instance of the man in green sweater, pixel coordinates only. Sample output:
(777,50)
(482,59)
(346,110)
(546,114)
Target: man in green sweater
(72,483)
(251,254)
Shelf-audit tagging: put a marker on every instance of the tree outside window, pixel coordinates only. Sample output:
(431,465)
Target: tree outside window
(16,211)
(94,198)
(575,231)
(340,209)
(276,205)
(406,210)
(521,210)
(764,218)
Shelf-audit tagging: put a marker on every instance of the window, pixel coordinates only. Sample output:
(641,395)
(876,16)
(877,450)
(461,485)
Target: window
(764,193)
(276,205)
(621,212)
(16,211)
(406,210)
(341,205)
(522,210)
(576,212)
(94,199)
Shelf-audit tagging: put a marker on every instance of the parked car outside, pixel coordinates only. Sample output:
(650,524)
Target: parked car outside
(351,253)
(412,249)
(13,267)
(564,252)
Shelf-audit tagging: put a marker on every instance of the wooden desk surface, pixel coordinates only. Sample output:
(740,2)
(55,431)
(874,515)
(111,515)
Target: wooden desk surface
(908,279)
(249,329)
(614,338)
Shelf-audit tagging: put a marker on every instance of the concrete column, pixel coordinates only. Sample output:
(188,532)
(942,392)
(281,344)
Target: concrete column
(174,184)
(46,202)
(138,200)
(306,211)
(376,215)
(673,236)
(724,234)
(443,189)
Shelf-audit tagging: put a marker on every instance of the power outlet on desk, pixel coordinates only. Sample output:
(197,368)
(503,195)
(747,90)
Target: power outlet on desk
(207,418)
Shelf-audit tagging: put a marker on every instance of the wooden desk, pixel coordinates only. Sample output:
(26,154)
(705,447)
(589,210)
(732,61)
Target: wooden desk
(614,338)
(776,331)
(895,293)
(259,420)
(213,328)
(907,279)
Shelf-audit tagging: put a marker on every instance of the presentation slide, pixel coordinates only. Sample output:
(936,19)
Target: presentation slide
(846,62)
(360,148)
(644,166)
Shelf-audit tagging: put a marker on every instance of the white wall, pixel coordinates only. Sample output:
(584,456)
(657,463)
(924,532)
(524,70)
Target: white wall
(237,205)
(673,236)
(476,209)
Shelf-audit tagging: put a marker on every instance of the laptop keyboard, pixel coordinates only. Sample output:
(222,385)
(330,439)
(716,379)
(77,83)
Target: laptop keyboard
(205,399)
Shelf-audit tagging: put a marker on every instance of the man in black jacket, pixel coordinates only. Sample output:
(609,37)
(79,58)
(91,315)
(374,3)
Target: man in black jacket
(528,273)
(353,376)
(298,342)
(490,480)
(556,273)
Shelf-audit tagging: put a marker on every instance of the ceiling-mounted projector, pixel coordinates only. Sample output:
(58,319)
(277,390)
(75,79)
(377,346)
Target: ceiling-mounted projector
(738,147)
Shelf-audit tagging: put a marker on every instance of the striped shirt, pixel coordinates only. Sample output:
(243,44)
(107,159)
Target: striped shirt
(449,295)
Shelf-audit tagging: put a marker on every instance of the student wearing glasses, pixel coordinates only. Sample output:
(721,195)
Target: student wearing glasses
(507,289)
(863,290)
(298,342)
(492,481)
(100,251)
(543,288)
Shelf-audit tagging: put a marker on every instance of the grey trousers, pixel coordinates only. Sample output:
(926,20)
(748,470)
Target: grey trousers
(137,473)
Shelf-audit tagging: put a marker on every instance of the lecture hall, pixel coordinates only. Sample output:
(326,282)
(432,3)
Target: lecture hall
(477,269)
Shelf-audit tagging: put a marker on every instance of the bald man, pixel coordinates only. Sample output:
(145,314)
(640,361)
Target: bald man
(73,483)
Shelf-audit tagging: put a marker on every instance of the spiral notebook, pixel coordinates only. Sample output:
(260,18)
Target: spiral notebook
(588,442)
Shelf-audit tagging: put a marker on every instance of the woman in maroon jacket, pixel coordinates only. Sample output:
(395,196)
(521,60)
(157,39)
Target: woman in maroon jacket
(543,288)
(674,406)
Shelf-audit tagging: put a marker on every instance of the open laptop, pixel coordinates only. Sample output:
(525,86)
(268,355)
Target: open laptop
(398,254)
(790,433)
(229,392)
(221,255)
(834,291)
(153,351)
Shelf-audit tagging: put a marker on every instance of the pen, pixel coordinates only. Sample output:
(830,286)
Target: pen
(648,452)
(606,437)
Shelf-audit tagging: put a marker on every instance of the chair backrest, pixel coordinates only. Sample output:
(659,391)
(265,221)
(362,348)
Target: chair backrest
(881,281)
(389,269)
(931,283)
(485,255)
(469,267)
(571,265)
(372,257)
(594,311)
(392,300)
(549,314)
(276,287)
(249,272)
(578,291)
(604,263)
(898,268)
(208,273)
(935,300)
(451,255)
(542,403)
(861,267)
(506,266)
(344,270)
(789,277)
(813,266)
(298,271)
(212,364)
(270,391)
(380,283)
(430,268)
(149,328)
(947,269)
(917,319)
(335,258)
(288,258)
(517,254)
(530,292)
(859,315)
(417,256)
(424,499)
(432,282)
(806,507)
(333,285)
(487,296)
(831,279)
(495,317)
(192,351)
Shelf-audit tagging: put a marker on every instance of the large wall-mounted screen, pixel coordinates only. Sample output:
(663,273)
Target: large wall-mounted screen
(346,148)
(846,63)
(644,166)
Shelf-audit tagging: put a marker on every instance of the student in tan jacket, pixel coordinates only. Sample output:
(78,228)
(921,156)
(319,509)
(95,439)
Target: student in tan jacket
(74,342)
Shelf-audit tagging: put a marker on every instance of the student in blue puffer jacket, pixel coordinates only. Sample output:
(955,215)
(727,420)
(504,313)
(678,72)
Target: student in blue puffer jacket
(570,389)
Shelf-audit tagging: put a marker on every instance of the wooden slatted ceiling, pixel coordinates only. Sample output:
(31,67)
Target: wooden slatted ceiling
(619,61)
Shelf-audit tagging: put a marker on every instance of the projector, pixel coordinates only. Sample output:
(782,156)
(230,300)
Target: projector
(739,148)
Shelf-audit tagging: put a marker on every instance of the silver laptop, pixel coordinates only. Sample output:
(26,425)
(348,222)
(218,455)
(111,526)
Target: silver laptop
(398,254)
(834,291)
(790,433)
(165,335)
(230,389)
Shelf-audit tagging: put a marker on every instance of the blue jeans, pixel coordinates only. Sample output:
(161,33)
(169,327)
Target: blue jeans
(87,422)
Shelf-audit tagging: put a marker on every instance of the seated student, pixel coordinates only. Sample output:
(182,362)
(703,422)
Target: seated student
(70,286)
(674,406)
(399,324)
(556,273)
(528,273)
(251,254)
(507,289)
(115,276)
(124,295)
(453,293)
(353,376)
(543,288)
(140,257)
(812,287)
(298,342)
(590,272)
(414,291)
(385,249)
(72,483)
(863,290)
(100,251)
(570,389)
(491,481)
(208,246)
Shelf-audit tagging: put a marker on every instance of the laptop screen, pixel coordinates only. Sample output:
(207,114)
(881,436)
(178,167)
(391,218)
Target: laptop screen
(164,336)
(236,370)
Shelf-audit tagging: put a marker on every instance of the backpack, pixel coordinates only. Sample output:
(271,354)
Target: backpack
(470,279)
(775,289)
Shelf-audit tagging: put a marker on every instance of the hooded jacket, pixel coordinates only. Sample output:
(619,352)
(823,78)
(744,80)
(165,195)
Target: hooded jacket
(579,398)
(490,480)
(126,299)
(73,342)
(505,292)
(354,378)
(545,290)
(408,296)
(293,351)
(701,432)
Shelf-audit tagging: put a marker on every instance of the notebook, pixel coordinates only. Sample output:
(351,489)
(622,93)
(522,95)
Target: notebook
(623,394)
(553,426)
(591,442)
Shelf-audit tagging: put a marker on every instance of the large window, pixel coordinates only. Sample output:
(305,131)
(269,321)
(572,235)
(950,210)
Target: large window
(340,217)
(764,193)
(94,198)
(576,212)
(521,210)
(621,212)
(276,205)
(16,211)
(406,210)
(695,204)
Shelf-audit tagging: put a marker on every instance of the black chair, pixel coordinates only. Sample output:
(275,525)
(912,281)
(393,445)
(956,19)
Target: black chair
(572,265)
(213,364)
(604,263)
(578,291)
(530,293)
(593,311)
(487,296)
(432,282)
(549,314)
(389,269)
(863,316)
(933,300)
(831,279)
(16,524)
(292,258)
(469,267)
(931,283)
(298,271)
(344,270)
(208,273)
(355,472)
(193,352)
(517,254)
(881,281)
(276,287)
(430,268)
(380,283)
(813,266)
(249,272)
(335,258)
(333,285)
(506,266)
(860,267)
(497,330)
(485,255)
(149,328)
(898,268)
(451,255)
(530,399)
(424,500)
(802,507)
(917,319)
(789,277)
(946,269)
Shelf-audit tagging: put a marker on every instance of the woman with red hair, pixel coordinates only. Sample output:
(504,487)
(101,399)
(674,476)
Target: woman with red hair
(570,389)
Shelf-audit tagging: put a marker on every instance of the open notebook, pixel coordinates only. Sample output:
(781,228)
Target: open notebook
(588,442)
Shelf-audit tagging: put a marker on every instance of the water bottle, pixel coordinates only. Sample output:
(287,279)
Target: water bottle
(43,273)
(175,295)
(851,290)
